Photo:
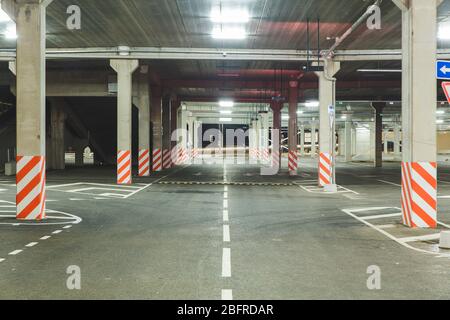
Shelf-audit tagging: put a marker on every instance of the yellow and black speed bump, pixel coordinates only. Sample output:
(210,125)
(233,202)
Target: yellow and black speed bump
(216,183)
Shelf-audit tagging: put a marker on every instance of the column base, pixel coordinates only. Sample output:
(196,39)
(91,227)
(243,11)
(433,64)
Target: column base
(30,180)
(325,169)
(124,167)
(144,162)
(419,194)
(157,160)
(293,163)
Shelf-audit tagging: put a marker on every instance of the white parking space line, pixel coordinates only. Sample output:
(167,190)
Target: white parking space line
(31,244)
(227,294)
(15,252)
(1,259)
(226,263)
(225,216)
(45,237)
(391,183)
(382,216)
(226,233)
(56,231)
(428,237)
(225,204)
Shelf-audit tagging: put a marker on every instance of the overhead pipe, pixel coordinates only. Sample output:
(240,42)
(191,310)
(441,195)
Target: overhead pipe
(329,54)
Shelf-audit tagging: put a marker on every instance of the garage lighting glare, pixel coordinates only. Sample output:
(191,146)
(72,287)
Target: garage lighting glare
(229,16)
(226,104)
(312,104)
(300,112)
(440,112)
(444,33)
(10,32)
(285,117)
(344,117)
(229,33)
(226,112)
(4,16)
(440,121)
(225,119)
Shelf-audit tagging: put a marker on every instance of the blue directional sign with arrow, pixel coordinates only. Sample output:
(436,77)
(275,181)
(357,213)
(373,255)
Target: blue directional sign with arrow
(443,69)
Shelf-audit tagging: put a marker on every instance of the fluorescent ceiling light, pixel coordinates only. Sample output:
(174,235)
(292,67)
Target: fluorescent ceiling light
(226,104)
(226,111)
(3,16)
(312,104)
(380,70)
(10,32)
(444,33)
(226,33)
(440,112)
(285,117)
(219,15)
(300,112)
(344,117)
(439,121)
(225,119)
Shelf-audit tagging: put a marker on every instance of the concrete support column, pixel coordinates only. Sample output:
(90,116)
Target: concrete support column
(174,108)
(397,140)
(167,131)
(385,141)
(276,107)
(156,128)
(379,107)
(264,136)
(197,141)
(258,148)
(302,140)
(313,139)
(124,69)
(29,16)
(327,98)
(144,123)
(354,138)
(56,157)
(293,128)
(348,137)
(419,95)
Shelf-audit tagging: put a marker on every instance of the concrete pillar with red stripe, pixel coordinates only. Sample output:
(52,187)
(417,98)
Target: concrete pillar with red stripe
(30,66)
(166,131)
(327,93)
(419,95)
(293,129)
(144,123)
(276,107)
(124,69)
(157,130)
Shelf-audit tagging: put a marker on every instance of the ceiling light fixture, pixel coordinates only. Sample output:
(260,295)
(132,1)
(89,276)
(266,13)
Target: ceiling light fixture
(219,15)
(380,70)
(439,121)
(440,112)
(227,33)
(312,104)
(444,33)
(10,32)
(226,104)
(225,119)
(226,112)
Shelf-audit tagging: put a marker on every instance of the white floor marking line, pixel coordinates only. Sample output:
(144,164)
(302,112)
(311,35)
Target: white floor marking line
(45,238)
(391,183)
(15,252)
(386,226)
(443,197)
(1,259)
(381,216)
(428,237)
(227,294)
(56,231)
(225,216)
(31,244)
(225,195)
(226,233)
(226,263)
(67,227)
(377,228)
(225,204)
(225,188)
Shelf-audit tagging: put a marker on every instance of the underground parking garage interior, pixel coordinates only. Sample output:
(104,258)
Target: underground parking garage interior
(225,150)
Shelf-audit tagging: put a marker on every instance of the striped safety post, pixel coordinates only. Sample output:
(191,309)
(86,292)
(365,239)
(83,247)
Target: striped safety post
(293,162)
(144,162)
(157,160)
(275,158)
(167,159)
(30,180)
(325,169)
(266,155)
(419,194)
(124,167)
